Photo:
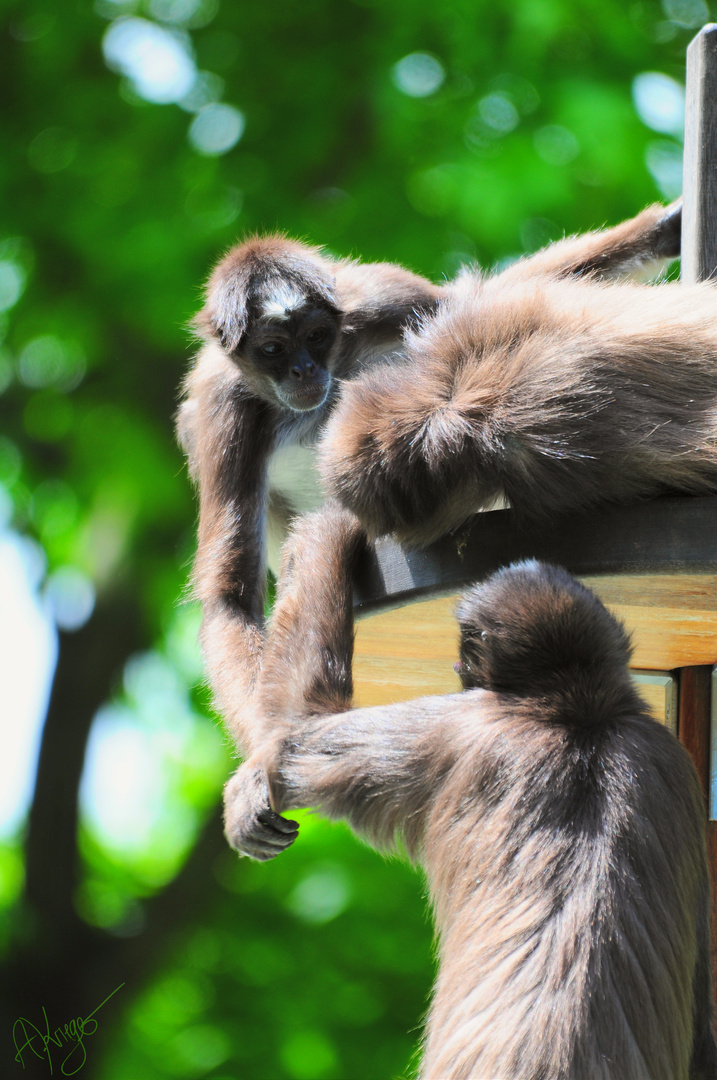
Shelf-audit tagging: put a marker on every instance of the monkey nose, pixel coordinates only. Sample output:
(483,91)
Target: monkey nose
(303,371)
(458,667)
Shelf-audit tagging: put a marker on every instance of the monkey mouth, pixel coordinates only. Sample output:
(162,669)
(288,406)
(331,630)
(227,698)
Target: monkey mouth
(303,398)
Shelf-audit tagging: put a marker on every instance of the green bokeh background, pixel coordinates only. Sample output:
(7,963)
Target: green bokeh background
(318,965)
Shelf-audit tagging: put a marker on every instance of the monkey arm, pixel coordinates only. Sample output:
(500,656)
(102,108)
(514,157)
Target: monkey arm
(377,768)
(306,668)
(229,443)
(373,766)
(636,246)
(379,300)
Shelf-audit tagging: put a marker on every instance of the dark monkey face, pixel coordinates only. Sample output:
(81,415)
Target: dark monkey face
(290,350)
(271,305)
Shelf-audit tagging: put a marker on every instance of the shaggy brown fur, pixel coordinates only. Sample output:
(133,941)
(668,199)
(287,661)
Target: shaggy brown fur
(283,325)
(550,394)
(561,829)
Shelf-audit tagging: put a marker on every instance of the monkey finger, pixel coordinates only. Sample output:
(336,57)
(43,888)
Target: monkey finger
(264,834)
(262,848)
(276,821)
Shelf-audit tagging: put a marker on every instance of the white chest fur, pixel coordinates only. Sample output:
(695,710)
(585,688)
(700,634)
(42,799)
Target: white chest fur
(293,489)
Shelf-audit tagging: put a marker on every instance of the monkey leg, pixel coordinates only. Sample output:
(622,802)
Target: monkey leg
(638,248)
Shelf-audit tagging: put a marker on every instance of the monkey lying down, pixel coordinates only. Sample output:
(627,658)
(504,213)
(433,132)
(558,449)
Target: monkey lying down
(561,829)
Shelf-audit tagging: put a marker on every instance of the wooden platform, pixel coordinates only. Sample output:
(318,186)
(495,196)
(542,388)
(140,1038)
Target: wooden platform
(409,651)
(659,563)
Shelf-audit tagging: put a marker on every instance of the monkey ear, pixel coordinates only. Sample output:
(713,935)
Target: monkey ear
(225,315)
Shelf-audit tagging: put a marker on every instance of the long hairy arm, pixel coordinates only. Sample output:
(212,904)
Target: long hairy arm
(378,768)
(228,440)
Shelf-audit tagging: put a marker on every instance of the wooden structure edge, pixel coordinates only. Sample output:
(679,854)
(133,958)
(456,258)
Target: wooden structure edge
(667,535)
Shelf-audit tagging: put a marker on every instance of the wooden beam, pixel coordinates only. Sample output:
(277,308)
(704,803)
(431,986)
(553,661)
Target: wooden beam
(409,651)
(671,535)
(694,726)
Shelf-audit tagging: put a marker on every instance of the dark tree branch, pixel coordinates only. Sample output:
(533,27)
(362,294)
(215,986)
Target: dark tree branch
(89,667)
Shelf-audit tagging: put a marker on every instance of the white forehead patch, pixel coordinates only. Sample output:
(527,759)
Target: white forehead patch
(283,301)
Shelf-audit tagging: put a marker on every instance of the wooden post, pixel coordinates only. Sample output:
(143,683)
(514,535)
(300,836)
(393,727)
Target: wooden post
(699,179)
(699,262)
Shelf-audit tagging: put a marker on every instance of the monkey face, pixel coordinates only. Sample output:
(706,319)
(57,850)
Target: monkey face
(290,355)
(272,307)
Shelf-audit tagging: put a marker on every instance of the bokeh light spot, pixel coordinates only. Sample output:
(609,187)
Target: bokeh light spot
(72,597)
(12,283)
(49,361)
(321,896)
(689,13)
(216,129)
(499,113)
(52,150)
(54,508)
(192,13)
(155,59)
(556,144)
(308,1055)
(206,89)
(664,160)
(199,1049)
(660,102)
(418,74)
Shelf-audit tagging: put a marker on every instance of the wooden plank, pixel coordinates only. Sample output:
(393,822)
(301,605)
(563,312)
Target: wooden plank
(699,184)
(409,651)
(660,690)
(670,535)
(694,726)
(672,617)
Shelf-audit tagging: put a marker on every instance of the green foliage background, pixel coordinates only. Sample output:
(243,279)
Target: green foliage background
(318,965)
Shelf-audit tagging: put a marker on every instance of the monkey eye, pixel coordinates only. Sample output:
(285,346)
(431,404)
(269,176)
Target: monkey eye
(271,348)
(316,335)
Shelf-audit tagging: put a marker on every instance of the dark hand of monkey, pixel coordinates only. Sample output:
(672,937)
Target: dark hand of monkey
(250,825)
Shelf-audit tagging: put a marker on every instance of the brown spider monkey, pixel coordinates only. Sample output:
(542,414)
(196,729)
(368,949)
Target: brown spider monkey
(561,829)
(293,337)
(548,393)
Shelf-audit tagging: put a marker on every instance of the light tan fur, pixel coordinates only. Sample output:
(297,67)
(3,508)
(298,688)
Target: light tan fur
(560,828)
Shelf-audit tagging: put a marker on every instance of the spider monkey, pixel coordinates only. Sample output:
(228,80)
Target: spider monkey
(528,388)
(283,325)
(293,339)
(561,829)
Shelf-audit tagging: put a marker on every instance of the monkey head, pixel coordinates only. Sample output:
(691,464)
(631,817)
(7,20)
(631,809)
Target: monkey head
(271,305)
(530,625)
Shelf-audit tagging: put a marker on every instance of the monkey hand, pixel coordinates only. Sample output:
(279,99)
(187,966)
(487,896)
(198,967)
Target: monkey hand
(250,825)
